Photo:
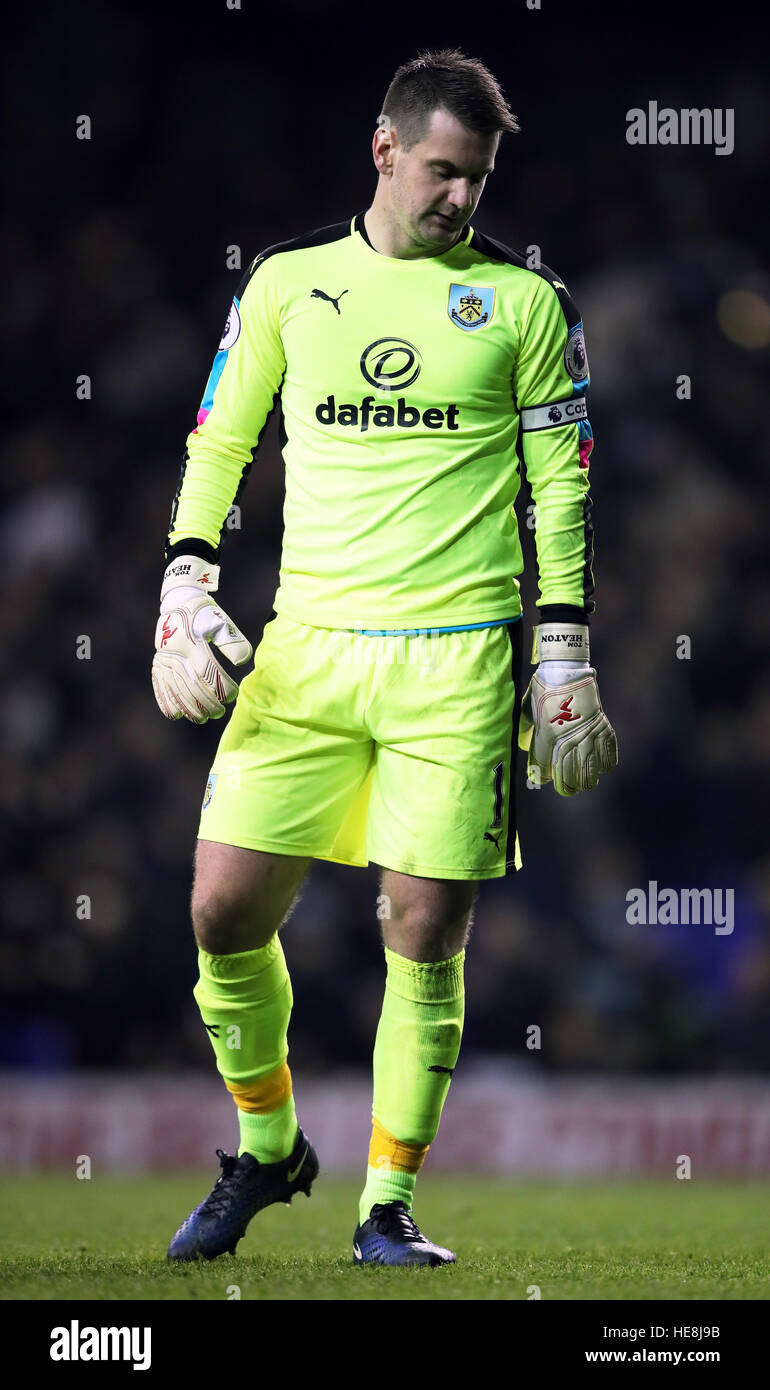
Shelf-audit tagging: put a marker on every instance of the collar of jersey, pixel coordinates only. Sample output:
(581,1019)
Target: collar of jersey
(358,233)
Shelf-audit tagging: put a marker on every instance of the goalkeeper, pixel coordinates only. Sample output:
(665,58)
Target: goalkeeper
(417,363)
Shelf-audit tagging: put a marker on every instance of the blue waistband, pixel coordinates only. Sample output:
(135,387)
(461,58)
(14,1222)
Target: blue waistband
(429,631)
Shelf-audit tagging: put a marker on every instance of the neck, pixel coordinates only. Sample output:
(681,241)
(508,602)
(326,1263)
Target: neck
(389,237)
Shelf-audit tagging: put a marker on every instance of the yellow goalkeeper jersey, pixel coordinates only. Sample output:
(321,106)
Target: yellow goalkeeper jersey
(409,393)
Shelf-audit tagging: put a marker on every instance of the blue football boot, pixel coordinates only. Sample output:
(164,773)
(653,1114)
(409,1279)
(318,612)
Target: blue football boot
(243,1188)
(391,1237)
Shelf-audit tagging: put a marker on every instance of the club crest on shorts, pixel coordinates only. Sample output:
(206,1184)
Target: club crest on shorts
(209,792)
(471,306)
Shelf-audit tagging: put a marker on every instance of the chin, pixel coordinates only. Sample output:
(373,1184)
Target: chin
(437,231)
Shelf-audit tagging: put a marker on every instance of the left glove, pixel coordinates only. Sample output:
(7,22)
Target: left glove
(187,679)
(563,728)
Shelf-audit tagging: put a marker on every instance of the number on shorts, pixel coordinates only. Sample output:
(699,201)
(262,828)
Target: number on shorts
(498,820)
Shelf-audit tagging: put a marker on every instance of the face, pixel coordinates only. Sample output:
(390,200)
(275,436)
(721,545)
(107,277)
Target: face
(435,187)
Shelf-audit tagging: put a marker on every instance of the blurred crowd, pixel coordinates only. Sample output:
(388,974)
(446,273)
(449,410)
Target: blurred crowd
(117,271)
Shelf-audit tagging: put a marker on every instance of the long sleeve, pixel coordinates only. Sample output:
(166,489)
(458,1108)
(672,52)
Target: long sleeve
(243,387)
(550,383)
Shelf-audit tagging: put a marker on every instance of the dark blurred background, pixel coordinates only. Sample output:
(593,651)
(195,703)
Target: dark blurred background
(214,127)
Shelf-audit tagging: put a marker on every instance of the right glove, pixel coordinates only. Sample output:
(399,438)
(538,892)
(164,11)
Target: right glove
(187,679)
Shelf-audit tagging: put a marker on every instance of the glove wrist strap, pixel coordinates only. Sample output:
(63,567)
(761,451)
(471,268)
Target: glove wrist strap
(190,572)
(560,642)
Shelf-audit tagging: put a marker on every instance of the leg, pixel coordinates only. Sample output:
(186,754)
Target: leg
(418,1041)
(295,741)
(240,899)
(441,812)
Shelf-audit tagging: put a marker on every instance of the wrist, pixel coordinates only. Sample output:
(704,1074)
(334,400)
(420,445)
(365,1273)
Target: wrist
(188,575)
(561,642)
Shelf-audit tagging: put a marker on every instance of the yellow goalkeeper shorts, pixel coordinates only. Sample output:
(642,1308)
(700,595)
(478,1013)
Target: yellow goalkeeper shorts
(394,750)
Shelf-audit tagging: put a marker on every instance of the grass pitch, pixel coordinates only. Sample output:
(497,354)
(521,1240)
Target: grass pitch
(106,1239)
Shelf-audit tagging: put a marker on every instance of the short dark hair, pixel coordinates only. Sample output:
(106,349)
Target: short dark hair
(445,78)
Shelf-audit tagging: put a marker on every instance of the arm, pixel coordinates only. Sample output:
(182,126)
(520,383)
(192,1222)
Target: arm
(563,726)
(243,386)
(550,385)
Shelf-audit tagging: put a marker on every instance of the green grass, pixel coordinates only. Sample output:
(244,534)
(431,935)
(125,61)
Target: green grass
(106,1239)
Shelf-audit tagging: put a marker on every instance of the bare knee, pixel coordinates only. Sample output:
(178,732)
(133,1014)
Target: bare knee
(224,923)
(240,897)
(429,920)
(417,935)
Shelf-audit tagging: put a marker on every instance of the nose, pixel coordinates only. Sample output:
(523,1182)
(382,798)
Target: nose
(461,194)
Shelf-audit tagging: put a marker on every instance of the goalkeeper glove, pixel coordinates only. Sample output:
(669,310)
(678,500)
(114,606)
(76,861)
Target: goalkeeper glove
(563,728)
(187,679)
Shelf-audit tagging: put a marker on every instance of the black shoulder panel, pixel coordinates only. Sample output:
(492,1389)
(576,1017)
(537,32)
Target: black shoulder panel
(496,251)
(334,232)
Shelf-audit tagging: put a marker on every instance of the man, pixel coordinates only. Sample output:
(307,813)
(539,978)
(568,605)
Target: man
(378,724)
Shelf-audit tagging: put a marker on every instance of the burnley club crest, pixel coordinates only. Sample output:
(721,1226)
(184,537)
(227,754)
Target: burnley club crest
(470,306)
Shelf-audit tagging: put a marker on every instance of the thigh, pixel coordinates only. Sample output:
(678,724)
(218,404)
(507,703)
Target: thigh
(442,803)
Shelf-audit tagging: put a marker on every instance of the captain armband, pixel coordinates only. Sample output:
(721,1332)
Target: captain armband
(550,417)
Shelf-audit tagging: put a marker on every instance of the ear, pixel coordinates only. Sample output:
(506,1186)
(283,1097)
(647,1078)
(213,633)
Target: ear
(382,146)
